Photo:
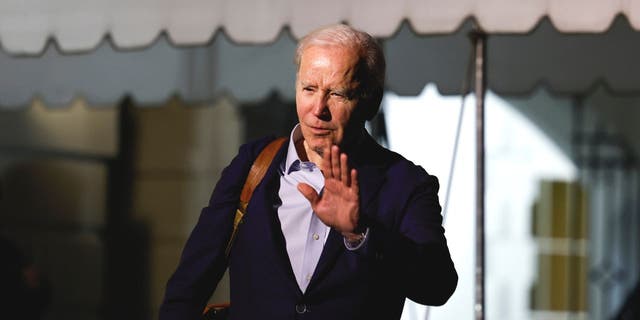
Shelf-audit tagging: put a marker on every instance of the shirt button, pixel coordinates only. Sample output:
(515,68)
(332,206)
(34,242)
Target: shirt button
(316,236)
(301,308)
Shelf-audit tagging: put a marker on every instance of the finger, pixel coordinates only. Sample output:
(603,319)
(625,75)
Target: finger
(344,170)
(325,167)
(309,193)
(335,162)
(354,181)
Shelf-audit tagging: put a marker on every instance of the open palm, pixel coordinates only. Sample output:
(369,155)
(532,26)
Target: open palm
(338,204)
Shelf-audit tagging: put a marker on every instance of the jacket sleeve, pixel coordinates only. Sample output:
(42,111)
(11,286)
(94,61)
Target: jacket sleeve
(414,247)
(203,259)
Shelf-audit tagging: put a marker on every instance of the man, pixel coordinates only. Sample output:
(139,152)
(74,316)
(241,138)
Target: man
(340,228)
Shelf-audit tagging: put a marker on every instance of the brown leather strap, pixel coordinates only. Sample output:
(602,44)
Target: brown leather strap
(257,172)
(259,168)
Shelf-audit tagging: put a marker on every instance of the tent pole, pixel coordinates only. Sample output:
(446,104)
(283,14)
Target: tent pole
(479,41)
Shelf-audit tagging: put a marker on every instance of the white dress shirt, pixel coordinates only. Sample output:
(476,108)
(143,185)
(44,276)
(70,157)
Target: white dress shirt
(304,240)
(305,234)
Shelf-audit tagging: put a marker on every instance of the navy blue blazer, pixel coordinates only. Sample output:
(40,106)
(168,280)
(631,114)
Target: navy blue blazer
(405,256)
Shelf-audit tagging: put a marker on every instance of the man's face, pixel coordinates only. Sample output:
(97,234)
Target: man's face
(326,96)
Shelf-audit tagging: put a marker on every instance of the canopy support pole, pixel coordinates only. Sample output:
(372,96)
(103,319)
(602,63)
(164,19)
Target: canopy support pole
(479,41)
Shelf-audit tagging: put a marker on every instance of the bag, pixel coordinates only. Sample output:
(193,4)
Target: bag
(256,173)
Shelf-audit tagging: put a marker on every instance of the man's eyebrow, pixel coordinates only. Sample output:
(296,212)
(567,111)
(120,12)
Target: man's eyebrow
(305,84)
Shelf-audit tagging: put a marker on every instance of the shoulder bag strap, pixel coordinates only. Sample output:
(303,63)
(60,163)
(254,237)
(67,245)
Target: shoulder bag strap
(257,172)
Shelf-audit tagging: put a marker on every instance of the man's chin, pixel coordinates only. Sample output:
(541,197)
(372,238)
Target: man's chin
(321,146)
(319,150)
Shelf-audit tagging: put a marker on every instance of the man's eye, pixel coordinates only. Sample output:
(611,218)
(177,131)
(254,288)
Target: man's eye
(339,96)
(307,89)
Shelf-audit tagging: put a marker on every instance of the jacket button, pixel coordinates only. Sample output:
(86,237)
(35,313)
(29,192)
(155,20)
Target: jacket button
(302,308)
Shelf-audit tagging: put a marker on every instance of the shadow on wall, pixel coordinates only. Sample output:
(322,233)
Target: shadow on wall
(59,205)
(25,293)
(272,116)
(55,209)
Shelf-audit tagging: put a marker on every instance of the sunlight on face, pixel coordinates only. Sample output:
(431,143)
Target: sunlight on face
(325,95)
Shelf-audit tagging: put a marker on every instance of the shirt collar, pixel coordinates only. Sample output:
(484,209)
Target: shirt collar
(292,153)
(355,152)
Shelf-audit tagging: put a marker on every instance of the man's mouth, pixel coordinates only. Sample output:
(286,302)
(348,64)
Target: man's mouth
(319,130)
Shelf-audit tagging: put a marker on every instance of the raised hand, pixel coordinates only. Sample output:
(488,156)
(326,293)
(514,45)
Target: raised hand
(338,206)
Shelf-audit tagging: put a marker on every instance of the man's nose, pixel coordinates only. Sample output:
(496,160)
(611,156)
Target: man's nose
(321,108)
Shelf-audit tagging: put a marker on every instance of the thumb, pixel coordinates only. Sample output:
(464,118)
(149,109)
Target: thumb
(308,192)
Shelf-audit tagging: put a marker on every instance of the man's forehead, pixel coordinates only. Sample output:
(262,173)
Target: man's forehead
(349,51)
(329,56)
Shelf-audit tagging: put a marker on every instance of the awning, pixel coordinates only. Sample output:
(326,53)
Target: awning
(81,25)
(199,49)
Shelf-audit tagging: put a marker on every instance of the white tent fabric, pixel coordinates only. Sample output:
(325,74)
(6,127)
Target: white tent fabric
(517,64)
(150,76)
(80,25)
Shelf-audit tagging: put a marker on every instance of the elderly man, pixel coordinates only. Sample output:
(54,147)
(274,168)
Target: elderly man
(339,228)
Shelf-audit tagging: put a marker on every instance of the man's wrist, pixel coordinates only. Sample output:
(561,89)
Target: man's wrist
(353,236)
(353,241)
